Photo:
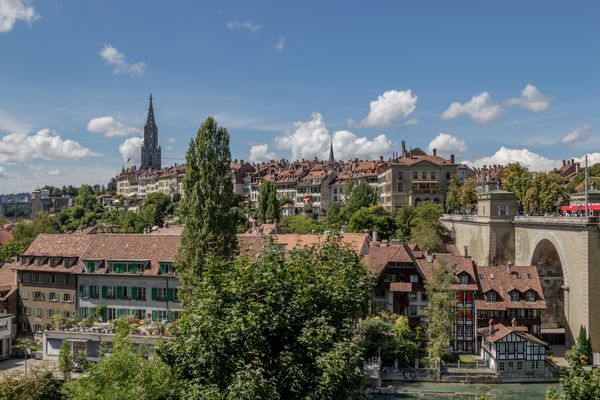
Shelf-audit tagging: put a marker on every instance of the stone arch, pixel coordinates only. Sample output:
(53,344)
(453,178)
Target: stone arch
(540,239)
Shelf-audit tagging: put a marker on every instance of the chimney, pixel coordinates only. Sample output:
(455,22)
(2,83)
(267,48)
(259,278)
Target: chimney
(242,162)
(429,256)
(435,152)
(513,322)
(381,158)
(452,158)
(466,251)
(374,235)
(508,268)
(403,149)
(491,326)
(564,162)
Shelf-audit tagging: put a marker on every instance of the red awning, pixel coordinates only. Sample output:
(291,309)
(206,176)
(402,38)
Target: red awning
(592,206)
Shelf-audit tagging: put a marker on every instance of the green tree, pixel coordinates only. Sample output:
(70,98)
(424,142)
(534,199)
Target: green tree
(453,195)
(389,336)
(543,193)
(10,250)
(26,232)
(374,218)
(404,222)
(427,237)
(273,327)
(124,374)
(362,195)
(426,230)
(578,384)
(468,195)
(516,179)
(38,385)
(438,313)
(581,352)
(160,203)
(206,207)
(335,217)
(268,204)
(300,225)
(65,360)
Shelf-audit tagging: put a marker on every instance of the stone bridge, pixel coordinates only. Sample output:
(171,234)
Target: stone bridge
(566,251)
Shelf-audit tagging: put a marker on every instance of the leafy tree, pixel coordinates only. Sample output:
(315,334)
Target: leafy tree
(268,204)
(362,195)
(426,230)
(65,361)
(388,335)
(335,217)
(578,384)
(12,249)
(543,193)
(516,179)
(158,204)
(374,218)
(468,195)
(427,237)
(438,312)
(286,200)
(273,327)
(124,374)
(404,222)
(581,352)
(300,224)
(38,385)
(205,210)
(26,232)
(453,195)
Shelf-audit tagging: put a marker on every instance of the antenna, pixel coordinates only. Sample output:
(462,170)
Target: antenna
(587,212)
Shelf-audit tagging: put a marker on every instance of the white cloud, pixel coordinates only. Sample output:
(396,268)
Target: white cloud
(480,109)
(131,149)
(390,106)
(54,172)
(593,158)
(114,57)
(309,139)
(410,122)
(280,45)
(3,173)
(12,11)
(110,127)
(260,152)
(171,140)
(531,99)
(249,25)
(446,144)
(45,144)
(578,134)
(525,157)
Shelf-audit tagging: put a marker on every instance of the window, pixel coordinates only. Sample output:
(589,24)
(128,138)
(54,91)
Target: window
(535,364)
(413,311)
(112,313)
(166,268)
(94,291)
(69,262)
(53,279)
(38,328)
(90,267)
(515,296)
(161,294)
(162,315)
(491,297)
(469,330)
(50,313)
(54,261)
(511,365)
(463,279)
(175,294)
(415,175)
(379,292)
(67,298)
(39,261)
(414,279)
(27,311)
(111,292)
(25,277)
(528,275)
(135,268)
(502,210)
(460,330)
(530,296)
(176,314)
(52,296)
(141,294)
(400,175)
(519,365)
(126,292)
(38,312)
(24,294)
(413,296)
(423,175)
(501,366)
(38,295)
(433,175)
(139,313)
(389,278)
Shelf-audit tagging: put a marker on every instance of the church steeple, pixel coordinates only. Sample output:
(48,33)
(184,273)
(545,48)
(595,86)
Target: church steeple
(151,152)
(331,157)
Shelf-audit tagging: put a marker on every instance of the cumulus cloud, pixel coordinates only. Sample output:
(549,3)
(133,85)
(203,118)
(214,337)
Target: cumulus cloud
(130,150)
(389,107)
(593,158)
(446,144)
(110,127)
(279,46)
(171,140)
(45,144)
(249,25)
(309,139)
(114,57)
(3,173)
(260,152)
(480,109)
(531,99)
(12,11)
(410,122)
(54,172)
(578,134)
(525,157)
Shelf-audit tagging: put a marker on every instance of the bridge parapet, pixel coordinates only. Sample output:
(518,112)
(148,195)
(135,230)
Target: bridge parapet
(545,220)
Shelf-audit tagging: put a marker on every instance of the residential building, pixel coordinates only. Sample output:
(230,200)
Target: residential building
(568,170)
(129,274)
(488,178)
(47,283)
(6,335)
(242,178)
(512,350)
(42,201)
(8,291)
(414,177)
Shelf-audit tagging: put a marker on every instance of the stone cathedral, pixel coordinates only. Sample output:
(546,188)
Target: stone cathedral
(151,158)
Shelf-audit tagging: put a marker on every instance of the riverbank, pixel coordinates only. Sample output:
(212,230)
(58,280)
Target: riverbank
(441,391)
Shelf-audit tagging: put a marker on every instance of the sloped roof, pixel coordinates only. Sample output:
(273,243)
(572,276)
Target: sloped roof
(500,331)
(380,256)
(497,278)
(59,245)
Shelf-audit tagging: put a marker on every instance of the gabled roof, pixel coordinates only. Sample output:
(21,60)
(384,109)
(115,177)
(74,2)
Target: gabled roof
(59,245)
(380,256)
(521,278)
(500,331)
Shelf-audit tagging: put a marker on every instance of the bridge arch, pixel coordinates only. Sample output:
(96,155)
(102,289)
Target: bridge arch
(543,242)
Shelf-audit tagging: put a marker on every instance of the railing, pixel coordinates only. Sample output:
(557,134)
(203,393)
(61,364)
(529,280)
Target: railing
(541,219)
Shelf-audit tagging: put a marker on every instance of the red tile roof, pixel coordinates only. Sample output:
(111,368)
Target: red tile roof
(521,278)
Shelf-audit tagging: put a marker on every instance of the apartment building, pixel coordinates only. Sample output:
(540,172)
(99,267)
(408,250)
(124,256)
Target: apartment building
(47,281)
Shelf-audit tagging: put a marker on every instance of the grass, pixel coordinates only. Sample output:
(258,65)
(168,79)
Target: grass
(467,359)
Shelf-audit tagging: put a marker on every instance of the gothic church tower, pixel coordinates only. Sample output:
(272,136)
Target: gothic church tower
(150,149)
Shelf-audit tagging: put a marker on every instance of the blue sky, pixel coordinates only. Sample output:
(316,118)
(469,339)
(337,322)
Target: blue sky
(286,77)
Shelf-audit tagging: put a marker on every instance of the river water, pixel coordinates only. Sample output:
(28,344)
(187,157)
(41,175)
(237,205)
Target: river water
(445,391)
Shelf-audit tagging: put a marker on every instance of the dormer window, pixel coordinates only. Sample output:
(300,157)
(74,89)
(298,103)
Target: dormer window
(491,297)
(68,262)
(39,261)
(166,268)
(54,261)
(515,296)
(463,279)
(25,260)
(90,267)
(530,296)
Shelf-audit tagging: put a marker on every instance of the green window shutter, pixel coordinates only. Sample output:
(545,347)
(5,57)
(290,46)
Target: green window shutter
(161,269)
(134,291)
(91,288)
(90,266)
(154,315)
(154,293)
(170,296)
(170,315)
(104,292)
(104,314)
(81,290)
(119,292)
(133,268)
(80,312)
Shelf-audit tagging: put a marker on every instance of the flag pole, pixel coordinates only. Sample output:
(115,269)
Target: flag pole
(587,213)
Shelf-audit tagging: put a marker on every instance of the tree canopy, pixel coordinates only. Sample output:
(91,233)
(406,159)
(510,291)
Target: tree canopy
(361,195)
(268,204)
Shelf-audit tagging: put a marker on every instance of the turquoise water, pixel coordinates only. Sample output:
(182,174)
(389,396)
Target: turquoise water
(439,391)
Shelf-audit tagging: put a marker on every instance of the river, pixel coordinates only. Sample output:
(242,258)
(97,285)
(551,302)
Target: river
(445,391)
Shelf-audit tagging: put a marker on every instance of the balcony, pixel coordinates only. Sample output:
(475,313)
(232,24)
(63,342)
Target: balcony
(425,187)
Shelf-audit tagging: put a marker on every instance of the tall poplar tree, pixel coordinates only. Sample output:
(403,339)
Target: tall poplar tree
(206,208)
(268,203)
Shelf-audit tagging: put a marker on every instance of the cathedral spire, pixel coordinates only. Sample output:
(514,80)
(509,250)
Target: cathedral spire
(150,121)
(151,152)
(331,157)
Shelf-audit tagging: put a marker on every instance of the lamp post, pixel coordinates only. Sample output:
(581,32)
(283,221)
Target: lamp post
(27,354)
